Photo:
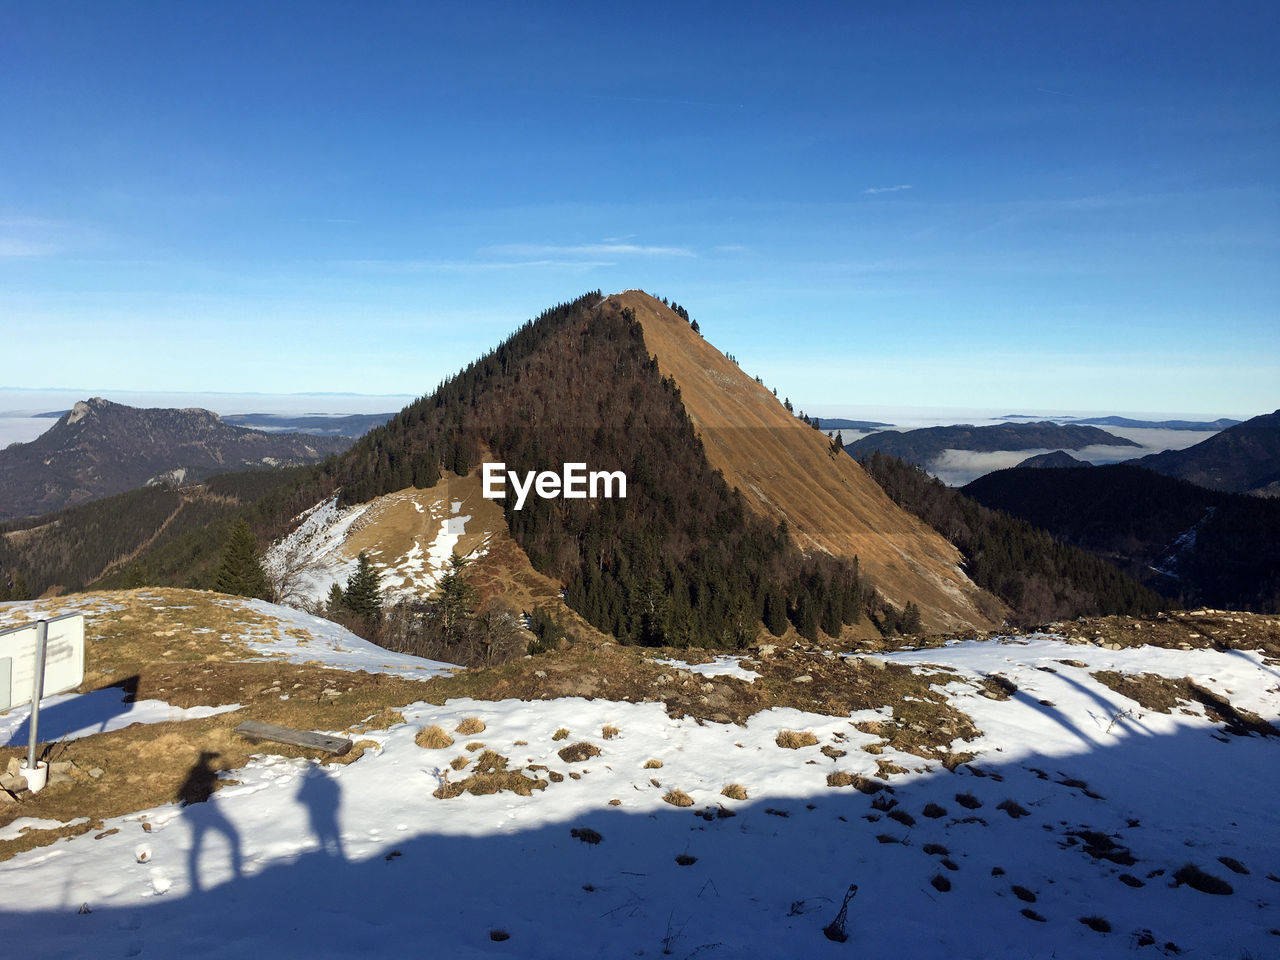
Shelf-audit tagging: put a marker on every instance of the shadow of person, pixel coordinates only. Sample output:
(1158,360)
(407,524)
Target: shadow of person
(321,795)
(196,789)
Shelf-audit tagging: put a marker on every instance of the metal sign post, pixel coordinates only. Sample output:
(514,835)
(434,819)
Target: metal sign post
(37,689)
(53,650)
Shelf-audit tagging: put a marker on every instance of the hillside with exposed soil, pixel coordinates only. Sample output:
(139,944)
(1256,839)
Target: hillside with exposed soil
(786,470)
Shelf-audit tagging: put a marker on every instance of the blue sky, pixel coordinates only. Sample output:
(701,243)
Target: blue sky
(979,204)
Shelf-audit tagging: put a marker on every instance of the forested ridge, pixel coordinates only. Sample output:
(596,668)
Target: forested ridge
(78,546)
(1194,545)
(1040,577)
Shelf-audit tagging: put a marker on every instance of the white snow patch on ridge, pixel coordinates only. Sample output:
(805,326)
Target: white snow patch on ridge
(327,644)
(319,549)
(722,666)
(315,547)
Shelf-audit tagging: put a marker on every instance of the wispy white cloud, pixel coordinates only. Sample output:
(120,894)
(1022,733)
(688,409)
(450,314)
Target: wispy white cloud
(467,266)
(23,247)
(894,189)
(29,237)
(589,250)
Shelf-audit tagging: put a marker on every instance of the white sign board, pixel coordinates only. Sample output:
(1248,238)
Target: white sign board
(64,659)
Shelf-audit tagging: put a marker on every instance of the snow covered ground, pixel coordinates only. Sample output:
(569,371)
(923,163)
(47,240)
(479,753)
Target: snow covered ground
(310,639)
(297,859)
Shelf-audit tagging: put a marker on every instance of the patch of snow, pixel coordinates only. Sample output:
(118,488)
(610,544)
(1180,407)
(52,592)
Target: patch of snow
(314,547)
(327,644)
(721,666)
(70,716)
(318,549)
(23,824)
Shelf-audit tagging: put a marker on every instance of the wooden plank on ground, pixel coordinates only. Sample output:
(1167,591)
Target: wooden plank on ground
(257,730)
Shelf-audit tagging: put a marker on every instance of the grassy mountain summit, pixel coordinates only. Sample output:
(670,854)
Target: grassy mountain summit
(709,541)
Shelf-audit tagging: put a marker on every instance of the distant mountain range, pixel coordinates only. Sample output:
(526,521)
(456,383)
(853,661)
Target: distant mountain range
(837,423)
(1244,458)
(99,448)
(1220,424)
(353,425)
(926,444)
(317,425)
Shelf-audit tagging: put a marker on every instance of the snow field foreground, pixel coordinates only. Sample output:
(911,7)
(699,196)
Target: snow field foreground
(1081,804)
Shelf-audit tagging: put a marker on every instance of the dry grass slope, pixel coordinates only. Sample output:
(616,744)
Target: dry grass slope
(785,470)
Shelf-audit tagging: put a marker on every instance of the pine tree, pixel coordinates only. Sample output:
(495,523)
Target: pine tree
(458,598)
(775,612)
(5,593)
(240,572)
(911,619)
(363,595)
(337,600)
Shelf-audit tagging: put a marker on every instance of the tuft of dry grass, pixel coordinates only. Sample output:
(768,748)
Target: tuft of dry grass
(586,835)
(470,727)
(560,734)
(795,739)
(839,779)
(678,798)
(734,791)
(459,762)
(381,720)
(1098,924)
(968,801)
(1198,879)
(609,731)
(474,746)
(578,752)
(933,811)
(1013,808)
(904,818)
(686,860)
(490,775)
(835,753)
(433,738)
(652,764)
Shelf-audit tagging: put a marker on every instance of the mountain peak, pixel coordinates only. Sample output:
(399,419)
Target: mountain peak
(99,448)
